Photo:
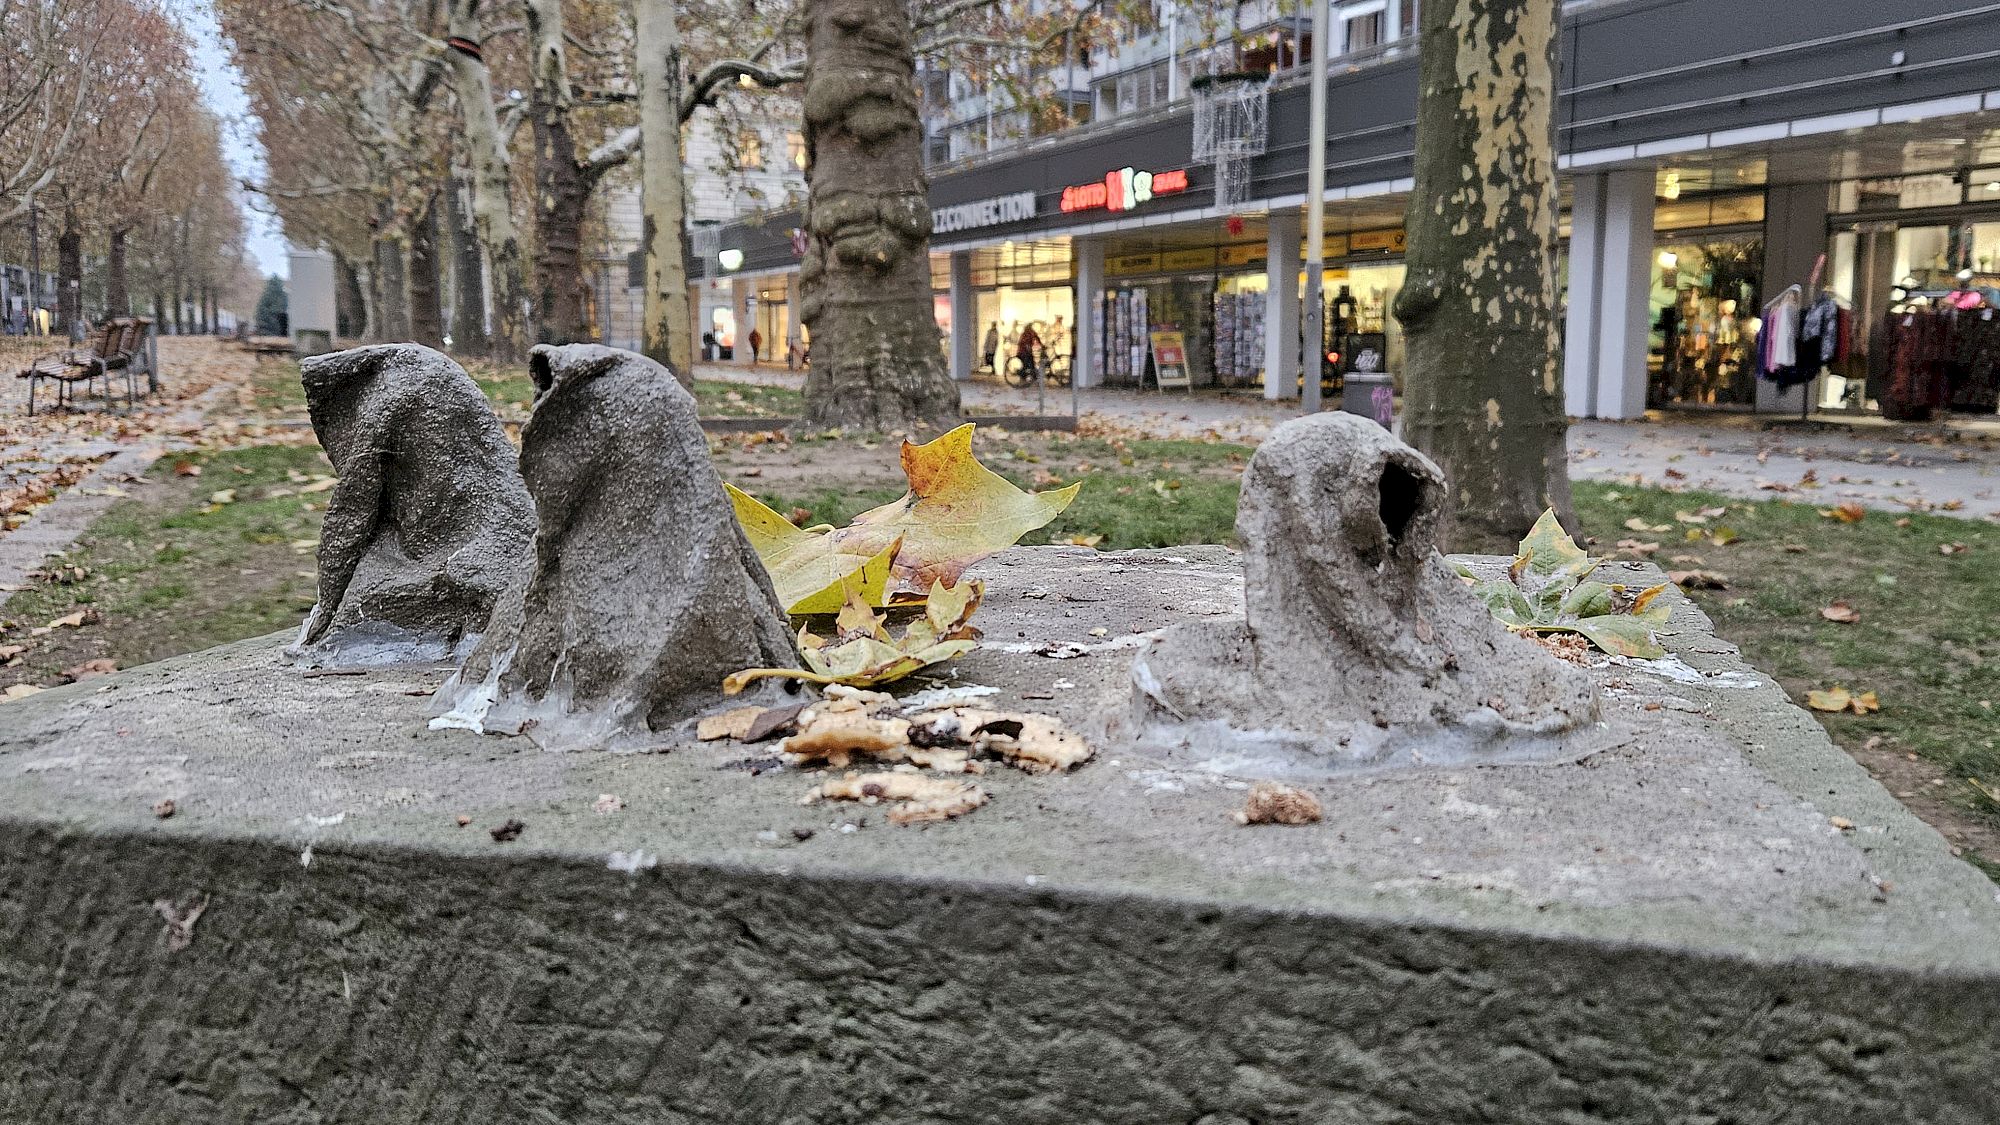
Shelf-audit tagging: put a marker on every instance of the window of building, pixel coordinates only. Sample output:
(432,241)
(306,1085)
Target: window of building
(1364,32)
(749,149)
(795,149)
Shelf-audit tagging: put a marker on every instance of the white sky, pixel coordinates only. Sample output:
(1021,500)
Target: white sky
(222,89)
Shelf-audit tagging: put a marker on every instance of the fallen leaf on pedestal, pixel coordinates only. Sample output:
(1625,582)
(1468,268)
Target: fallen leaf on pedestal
(923,798)
(956,512)
(1272,803)
(729,724)
(863,653)
(1841,612)
(17,691)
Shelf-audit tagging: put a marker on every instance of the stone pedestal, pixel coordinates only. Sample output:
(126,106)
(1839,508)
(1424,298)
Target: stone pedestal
(1672,929)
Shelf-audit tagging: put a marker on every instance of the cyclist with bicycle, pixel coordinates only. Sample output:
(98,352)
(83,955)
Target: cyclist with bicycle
(1027,349)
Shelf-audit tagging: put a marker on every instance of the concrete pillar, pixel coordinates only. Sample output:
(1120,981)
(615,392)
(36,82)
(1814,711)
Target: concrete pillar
(309,301)
(745,309)
(964,317)
(1794,238)
(1623,282)
(1089,319)
(1281,305)
(1586,269)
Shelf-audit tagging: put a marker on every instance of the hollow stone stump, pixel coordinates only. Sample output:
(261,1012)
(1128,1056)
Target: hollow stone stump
(429,522)
(645,592)
(1670,931)
(1359,646)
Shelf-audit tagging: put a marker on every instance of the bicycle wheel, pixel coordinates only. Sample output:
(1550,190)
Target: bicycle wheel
(1019,372)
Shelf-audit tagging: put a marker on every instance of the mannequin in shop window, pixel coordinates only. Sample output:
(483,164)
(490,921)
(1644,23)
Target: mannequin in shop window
(991,347)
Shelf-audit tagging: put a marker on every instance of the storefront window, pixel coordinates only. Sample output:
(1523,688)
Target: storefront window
(1005,312)
(1361,332)
(1705,302)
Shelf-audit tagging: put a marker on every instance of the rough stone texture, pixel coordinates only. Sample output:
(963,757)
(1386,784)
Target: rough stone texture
(645,592)
(1669,931)
(1359,646)
(429,523)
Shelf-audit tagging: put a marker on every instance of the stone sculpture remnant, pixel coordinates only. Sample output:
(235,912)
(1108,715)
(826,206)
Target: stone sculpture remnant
(429,522)
(1360,647)
(644,592)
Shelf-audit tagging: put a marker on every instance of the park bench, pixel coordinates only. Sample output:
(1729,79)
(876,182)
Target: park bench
(119,346)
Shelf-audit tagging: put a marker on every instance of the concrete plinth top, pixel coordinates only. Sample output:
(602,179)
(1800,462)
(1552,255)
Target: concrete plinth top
(1710,826)
(1523,943)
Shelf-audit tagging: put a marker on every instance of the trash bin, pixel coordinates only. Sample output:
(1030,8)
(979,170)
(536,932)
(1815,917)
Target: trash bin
(1371,394)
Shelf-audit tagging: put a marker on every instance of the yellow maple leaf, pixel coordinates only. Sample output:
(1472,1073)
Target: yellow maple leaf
(956,512)
(864,653)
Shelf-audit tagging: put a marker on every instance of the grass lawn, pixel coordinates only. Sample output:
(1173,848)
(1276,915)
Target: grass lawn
(169,571)
(277,392)
(1927,641)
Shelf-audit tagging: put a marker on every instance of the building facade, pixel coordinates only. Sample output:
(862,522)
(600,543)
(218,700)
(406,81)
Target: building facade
(1731,175)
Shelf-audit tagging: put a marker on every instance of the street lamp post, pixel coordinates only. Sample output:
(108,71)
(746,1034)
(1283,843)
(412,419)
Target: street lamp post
(1313,326)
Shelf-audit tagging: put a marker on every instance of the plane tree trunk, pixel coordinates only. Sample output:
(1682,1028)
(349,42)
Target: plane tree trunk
(1482,390)
(866,278)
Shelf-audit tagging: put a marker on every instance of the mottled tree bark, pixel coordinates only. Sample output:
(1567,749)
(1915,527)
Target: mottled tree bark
(117,299)
(468,303)
(426,311)
(562,186)
(1482,393)
(866,279)
(491,182)
(668,319)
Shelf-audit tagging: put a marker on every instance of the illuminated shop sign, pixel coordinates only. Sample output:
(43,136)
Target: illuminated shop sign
(1123,190)
(983,213)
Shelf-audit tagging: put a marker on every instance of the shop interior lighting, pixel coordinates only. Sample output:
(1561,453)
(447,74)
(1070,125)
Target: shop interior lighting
(1965,274)
(1669,259)
(1673,188)
(1994,186)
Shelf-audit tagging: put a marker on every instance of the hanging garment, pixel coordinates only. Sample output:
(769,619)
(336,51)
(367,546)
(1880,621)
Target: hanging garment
(1779,353)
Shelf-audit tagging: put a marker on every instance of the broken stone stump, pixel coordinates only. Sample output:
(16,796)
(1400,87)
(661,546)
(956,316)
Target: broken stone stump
(429,522)
(1358,647)
(644,594)
(1675,928)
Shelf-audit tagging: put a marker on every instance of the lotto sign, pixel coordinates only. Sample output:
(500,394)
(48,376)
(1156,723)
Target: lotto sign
(1170,360)
(1123,190)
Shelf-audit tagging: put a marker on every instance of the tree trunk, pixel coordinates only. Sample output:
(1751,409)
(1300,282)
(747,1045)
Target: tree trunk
(117,301)
(371,305)
(562,185)
(178,287)
(866,278)
(346,299)
(1482,393)
(159,311)
(669,323)
(426,315)
(69,276)
(491,181)
(392,309)
(468,277)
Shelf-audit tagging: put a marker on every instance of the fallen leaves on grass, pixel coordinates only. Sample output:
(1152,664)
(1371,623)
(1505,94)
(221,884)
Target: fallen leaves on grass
(1272,803)
(1698,580)
(956,512)
(90,669)
(1838,699)
(1849,512)
(1952,548)
(1841,613)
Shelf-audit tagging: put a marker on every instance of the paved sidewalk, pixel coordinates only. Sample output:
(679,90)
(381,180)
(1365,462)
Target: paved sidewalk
(1953,469)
